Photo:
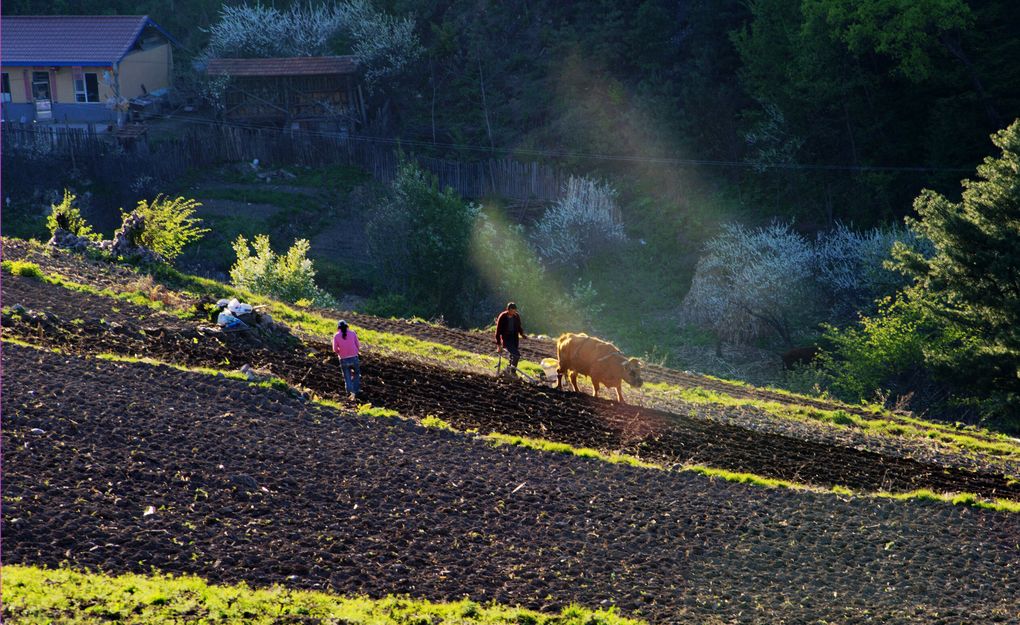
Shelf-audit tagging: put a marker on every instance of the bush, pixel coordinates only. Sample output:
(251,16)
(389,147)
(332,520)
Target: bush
(902,349)
(419,239)
(750,283)
(288,278)
(67,216)
(584,222)
(872,356)
(23,268)
(168,226)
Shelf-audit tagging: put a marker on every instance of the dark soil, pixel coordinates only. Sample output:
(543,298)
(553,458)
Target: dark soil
(106,275)
(257,485)
(86,324)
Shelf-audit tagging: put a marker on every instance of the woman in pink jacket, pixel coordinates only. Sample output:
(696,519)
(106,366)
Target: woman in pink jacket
(346,346)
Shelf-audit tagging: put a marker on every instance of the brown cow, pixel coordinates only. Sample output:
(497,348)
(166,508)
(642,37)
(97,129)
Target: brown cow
(597,359)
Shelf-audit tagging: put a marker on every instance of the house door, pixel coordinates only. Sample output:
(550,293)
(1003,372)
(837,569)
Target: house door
(40,86)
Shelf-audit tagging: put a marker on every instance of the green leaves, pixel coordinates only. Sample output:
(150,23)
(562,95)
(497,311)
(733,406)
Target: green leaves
(290,277)
(67,216)
(169,225)
(906,31)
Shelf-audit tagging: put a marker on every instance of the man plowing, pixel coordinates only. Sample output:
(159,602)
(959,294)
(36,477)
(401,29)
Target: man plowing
(508,330)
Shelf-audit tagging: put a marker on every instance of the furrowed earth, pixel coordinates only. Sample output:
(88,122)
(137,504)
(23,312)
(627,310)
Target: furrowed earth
(249,483)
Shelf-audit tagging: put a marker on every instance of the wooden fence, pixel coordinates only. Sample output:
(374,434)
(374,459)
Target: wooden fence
(209,145)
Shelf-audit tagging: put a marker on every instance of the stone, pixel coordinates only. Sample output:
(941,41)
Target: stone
(244,482)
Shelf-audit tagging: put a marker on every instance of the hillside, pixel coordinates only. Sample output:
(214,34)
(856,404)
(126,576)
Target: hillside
(132,442)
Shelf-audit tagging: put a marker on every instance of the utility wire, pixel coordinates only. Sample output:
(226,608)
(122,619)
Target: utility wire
(561,154)
(564,154)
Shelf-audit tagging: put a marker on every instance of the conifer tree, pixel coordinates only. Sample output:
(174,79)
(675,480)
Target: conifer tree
(974,277)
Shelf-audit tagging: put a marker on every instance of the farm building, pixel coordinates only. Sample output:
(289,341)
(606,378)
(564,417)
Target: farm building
(66,67)
(308,92)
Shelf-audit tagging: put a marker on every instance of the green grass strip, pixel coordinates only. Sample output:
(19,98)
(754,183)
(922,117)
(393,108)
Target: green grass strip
(39,595)
(495,438)
(306,321)
(564,448)
(997,445)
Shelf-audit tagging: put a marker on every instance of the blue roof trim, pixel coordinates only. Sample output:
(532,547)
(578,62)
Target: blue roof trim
(168,36)
(147,21)
(87,62)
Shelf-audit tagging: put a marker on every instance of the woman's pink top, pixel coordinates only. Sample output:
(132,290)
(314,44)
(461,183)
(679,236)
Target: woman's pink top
(346,348)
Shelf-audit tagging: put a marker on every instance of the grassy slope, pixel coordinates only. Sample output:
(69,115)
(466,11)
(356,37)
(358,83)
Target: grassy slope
(36,595)
(314,324)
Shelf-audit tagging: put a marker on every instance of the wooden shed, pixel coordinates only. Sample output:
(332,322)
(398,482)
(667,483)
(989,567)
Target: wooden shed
(307,92)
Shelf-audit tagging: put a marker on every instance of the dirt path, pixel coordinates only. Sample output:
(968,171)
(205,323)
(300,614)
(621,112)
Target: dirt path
(472,401)
(252,484)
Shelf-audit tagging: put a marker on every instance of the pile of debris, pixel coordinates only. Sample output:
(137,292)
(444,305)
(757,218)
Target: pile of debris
(236,316)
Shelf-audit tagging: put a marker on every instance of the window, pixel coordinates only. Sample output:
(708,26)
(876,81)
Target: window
(40,85)
(5,87)
(86,87)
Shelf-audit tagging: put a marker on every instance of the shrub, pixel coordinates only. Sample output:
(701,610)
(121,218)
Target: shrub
(67,216)
(419,238)
(584,222)
(750,283)
(290,277)
(901,349)
(168,226)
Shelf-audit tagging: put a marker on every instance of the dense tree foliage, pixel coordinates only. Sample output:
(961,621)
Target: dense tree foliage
(419,237)
(772,83)
(973,280)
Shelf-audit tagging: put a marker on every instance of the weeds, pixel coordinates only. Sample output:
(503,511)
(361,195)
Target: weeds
(368,410)
(34,594)
(23,269)
(435,423)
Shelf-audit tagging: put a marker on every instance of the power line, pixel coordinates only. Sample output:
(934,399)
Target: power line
(564,154)
(587,155)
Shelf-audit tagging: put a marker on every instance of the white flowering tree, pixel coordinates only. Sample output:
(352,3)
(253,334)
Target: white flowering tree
(851,267)
(583,222)
(750,283)
(382,44)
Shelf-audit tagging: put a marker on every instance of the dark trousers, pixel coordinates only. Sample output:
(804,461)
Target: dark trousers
(513,348)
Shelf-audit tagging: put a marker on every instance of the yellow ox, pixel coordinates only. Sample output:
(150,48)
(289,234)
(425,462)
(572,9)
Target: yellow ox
(597,359)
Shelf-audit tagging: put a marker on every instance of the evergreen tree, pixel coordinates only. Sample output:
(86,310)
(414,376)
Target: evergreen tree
(974,278)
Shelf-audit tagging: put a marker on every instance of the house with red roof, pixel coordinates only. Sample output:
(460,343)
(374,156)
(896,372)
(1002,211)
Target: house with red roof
(80,68)
(311,92)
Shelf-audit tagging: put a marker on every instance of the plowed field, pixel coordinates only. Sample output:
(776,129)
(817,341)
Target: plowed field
(87,324)
(256,485)
(128,466)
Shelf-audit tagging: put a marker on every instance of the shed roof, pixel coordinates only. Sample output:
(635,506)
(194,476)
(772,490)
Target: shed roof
(290,66)
(71,39)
